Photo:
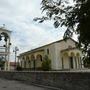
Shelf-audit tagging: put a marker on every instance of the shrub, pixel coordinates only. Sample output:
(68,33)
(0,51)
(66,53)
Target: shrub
(19,68)
(46,64)
(87,62)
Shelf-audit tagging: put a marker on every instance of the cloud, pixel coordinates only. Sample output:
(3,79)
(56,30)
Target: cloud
(26,34)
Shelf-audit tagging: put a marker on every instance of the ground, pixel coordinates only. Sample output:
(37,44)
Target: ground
(15,85)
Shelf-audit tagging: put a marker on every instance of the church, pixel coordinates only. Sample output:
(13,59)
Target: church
(64,55)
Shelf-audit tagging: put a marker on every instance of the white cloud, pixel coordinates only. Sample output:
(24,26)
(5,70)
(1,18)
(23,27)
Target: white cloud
(26,34)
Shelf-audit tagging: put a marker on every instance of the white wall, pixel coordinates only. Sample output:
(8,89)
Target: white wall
(54,53)
(51,54)
(61,46)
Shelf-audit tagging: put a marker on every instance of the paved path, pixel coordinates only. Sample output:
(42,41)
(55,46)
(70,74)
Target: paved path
(15,85)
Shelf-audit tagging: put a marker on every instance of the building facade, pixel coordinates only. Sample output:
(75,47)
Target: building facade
(63,55)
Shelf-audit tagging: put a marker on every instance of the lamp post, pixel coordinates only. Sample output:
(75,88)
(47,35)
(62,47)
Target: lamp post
(15,51)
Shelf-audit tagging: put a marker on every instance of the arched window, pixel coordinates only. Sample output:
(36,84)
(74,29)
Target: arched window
(24,64)
(27,57)
(47,51)
(39,57)
(32,57)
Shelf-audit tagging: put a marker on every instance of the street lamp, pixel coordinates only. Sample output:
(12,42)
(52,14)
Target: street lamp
(15,51)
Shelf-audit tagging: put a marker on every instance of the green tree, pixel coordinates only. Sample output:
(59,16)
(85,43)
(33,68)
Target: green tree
(19,68)
(2,62)
(46,64)
(74,16)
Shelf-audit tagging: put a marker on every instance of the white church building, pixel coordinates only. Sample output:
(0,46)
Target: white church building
(64,55)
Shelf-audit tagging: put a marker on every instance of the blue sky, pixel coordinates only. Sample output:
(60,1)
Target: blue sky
(18,16)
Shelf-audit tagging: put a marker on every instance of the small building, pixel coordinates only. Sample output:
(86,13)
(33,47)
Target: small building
(63,55)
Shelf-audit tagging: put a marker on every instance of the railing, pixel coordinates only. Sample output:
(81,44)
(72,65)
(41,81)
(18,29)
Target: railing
(2,51)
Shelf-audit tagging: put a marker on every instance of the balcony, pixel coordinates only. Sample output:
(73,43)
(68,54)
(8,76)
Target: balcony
(3,51)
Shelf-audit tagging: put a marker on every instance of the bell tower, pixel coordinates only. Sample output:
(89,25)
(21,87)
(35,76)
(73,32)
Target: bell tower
(5,47)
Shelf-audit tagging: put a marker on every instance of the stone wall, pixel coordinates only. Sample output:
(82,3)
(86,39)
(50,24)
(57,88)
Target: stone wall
(62,80)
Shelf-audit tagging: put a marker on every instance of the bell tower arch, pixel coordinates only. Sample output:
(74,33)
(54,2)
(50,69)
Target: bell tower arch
(5,46)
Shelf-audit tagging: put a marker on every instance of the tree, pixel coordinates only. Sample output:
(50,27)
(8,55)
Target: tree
(74,16)
(46,64)
(2,62)
(19,68)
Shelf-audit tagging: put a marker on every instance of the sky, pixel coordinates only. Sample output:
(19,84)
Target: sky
(18,15)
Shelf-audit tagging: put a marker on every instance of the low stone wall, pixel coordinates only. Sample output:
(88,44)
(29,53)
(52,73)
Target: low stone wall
(62,80)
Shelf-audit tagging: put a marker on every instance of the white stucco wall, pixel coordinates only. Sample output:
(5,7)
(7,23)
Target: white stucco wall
(51,54)
(61,46)
(54,53)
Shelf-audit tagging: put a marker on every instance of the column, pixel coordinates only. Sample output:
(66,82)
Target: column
(80,62)
(23,63)
(75,62)
(62,63)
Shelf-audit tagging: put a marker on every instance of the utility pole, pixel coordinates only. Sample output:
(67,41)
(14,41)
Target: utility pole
(15,51)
